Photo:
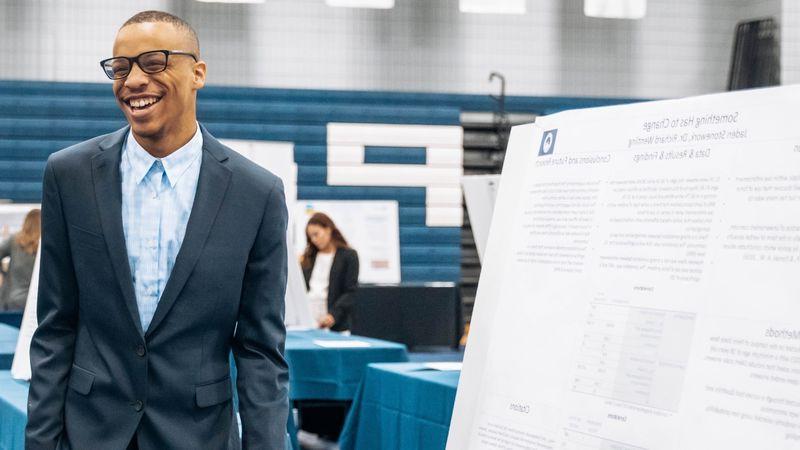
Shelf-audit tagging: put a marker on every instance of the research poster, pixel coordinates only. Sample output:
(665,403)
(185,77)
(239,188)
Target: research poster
(371,227)
(640,288)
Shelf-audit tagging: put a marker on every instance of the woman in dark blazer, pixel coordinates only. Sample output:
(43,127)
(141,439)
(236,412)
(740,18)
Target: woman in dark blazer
(330,269)
(21,248)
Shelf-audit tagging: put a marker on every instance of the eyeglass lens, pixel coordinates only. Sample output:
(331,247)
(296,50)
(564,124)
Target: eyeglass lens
(150,62)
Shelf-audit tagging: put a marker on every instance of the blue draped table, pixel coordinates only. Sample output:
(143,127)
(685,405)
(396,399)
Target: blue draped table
(401,407)
(13,318)
(8,344)
(327,373)
(13,412)
(315,371)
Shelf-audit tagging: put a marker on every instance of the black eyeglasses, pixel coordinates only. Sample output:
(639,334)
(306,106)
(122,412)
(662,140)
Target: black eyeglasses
(153,61)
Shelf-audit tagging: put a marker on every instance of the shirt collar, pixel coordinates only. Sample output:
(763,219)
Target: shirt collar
(175,164)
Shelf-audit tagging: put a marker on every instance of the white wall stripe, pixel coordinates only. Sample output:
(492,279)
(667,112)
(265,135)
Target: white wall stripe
(440,175)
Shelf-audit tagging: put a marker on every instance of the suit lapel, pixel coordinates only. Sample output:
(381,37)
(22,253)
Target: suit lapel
(108,194)
(211,188)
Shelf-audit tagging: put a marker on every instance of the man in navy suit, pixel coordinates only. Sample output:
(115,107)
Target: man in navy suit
(162,252)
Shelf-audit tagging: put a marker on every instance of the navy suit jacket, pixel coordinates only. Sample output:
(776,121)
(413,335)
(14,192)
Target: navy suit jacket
(98,379)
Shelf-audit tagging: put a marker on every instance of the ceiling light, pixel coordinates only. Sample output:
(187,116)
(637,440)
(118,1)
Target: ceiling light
(615,9)
(492,6)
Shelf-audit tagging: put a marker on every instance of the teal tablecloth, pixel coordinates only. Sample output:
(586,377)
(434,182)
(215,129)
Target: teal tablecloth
(13,412)
(8,343)
(13,318)
(401,407)
(320,373)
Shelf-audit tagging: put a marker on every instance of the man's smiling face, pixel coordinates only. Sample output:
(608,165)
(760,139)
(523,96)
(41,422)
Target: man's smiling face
(162,104)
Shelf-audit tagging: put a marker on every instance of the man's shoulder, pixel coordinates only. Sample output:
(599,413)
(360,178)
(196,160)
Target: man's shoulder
(80,152)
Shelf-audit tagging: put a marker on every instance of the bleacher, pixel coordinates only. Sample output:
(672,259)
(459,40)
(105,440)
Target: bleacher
(38,118)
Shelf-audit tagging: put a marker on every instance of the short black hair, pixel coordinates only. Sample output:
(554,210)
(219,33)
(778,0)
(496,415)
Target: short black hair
(161,16)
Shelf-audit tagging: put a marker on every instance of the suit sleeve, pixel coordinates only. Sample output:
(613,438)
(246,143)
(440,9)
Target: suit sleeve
(258,346)
(344,304)
(52,346)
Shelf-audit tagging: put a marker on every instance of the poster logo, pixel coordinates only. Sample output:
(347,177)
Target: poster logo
(548,142)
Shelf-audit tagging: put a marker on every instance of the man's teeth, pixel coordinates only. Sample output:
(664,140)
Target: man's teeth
(142,102)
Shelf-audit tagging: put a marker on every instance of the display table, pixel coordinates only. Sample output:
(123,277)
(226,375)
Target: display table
(13,318)
(401,406)
(333,371)
(8,344)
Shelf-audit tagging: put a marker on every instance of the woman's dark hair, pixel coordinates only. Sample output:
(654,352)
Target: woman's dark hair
(322,220)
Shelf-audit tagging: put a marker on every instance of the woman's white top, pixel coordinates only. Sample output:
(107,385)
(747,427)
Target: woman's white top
(318,284)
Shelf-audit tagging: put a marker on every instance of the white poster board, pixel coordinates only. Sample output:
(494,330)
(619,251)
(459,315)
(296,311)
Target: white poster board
(278,158)
(370,227)
(298,305)
(640,287)
(21,365)
(480,192)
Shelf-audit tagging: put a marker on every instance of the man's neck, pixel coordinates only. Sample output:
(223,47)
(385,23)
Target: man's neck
(163,146)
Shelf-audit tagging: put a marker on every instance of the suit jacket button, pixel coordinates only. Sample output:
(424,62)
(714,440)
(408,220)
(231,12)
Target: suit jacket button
(137,405)
(140,350)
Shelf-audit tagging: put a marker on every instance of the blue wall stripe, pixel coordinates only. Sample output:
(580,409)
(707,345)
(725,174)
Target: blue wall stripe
(406,196)
(430,235)
(394,155)
(21,170)
(431,273)
(427,254)
(312,175)
(56,128)
(36,150)
(412,215)
(311,154)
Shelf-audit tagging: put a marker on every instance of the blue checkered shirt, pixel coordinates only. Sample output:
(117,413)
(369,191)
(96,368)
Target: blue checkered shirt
(157,197)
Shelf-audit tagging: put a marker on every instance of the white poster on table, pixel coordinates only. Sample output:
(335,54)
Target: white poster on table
(640,283)
(370,227)
(480,192)
(21,365)
(298,306)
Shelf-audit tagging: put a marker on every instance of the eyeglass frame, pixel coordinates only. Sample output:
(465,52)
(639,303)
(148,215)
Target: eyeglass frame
(135,59)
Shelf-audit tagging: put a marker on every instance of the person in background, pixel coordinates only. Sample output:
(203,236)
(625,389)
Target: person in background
(21,247)
(330,268)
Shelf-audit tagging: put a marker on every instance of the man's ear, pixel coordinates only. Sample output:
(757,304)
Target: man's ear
(199,74)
